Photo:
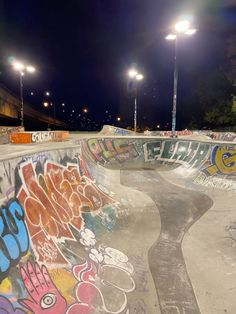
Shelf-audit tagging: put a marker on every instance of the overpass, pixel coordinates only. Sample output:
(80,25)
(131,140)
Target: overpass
(10,109)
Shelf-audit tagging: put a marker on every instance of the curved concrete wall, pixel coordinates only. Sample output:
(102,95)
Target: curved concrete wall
(99,228)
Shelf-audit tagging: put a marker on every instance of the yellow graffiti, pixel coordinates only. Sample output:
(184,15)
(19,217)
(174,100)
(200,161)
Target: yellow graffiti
(224,161)
(65,282)
(6,286)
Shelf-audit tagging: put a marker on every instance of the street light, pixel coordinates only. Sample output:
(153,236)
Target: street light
(181,28)
(135,76)
(21,69)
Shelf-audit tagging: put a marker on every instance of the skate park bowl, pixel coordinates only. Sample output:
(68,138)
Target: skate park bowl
(119,225)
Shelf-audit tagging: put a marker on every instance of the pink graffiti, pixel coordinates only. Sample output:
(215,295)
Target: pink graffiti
(91,290)
(44,296)
(85,290)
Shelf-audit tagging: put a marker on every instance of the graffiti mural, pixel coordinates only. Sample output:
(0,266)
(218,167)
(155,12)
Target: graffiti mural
(104,276)
(61,249)
(106,269)
(219,171)
(54,201)
(14,240)
(223,161)
(44,296)
(109,149)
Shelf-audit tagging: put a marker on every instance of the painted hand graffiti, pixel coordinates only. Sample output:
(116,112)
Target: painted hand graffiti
(45,298)
(53,202)
(14,240)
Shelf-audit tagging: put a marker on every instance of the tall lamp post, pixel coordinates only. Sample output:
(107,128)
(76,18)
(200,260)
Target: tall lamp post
(21,69)
(135,76)
(181,28)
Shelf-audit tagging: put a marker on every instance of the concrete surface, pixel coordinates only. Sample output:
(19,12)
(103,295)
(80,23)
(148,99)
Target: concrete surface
(118,225)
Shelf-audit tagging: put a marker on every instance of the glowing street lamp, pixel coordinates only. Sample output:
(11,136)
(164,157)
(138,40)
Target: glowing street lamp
(85,110)
(21,69)
(134,75)
(182,27)
(171,37)
(30,69)
(47,94)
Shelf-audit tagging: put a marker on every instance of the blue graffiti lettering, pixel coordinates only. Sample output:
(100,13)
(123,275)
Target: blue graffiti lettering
(14,240)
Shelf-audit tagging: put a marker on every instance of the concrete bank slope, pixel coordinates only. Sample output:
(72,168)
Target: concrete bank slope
(119,225)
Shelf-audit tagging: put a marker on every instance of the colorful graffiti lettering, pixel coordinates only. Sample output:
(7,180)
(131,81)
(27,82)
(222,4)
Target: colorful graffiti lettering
(223,161)
(14,240)
(44,296)
(106,275)
(185,152)
(108,149)
(54,201)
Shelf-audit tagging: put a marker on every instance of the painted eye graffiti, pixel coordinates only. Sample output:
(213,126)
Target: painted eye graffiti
(48,300)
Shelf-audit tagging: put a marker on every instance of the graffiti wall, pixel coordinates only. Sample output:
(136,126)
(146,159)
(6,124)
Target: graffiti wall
(113,130)
(5,132)
(38,137)
(50,258)
(53,214)
(214,165)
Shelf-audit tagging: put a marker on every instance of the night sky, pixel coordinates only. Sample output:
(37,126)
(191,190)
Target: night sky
(83,48)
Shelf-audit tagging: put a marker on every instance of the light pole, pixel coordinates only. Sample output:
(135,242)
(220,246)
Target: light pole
(181,28)
(135,77)
(21,69)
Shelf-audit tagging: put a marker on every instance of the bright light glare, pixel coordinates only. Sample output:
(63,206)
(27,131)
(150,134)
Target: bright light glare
(85,110)
(132,73)
(118,118)
(190,31)
(45,104)
(182,26)
(47,94)
(18,66)
(139,77)
(30,69)
(171,37)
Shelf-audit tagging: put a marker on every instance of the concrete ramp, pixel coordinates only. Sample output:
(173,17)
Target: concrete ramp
(119,225)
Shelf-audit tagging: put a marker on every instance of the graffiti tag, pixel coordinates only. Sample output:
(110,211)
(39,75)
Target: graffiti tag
(223,161)
(54,201)
(14,240)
